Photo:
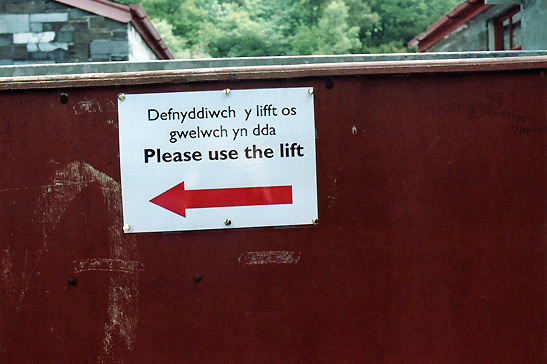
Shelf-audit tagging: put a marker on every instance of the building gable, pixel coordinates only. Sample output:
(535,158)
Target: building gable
(62,31)
(487,25)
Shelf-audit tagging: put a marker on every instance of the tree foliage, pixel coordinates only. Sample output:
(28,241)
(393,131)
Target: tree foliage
(243,28)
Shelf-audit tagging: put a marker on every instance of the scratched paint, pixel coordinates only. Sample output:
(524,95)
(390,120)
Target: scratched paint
(416,259)
(107,265)
(87,106)
(15,288)
(123,264)
(269,257)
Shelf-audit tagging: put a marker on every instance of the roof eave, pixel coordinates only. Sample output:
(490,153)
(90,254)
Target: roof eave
(114,11)
(148,32)
(456,17)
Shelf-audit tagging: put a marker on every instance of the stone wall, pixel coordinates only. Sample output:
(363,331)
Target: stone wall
(44,31)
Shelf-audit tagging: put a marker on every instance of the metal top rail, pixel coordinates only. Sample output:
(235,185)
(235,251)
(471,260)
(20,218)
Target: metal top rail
(229,69)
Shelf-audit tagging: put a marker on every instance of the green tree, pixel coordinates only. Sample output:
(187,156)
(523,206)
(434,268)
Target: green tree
(362,16)
(401,20)
(236,28)
(334,34)
(305,41)
(236,34)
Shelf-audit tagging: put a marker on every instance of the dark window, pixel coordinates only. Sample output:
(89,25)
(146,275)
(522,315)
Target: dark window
(507,30)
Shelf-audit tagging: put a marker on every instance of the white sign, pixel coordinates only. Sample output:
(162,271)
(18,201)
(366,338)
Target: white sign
(217,159)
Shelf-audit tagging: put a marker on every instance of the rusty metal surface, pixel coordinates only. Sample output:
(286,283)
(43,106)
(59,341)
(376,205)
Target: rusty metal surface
(432,193)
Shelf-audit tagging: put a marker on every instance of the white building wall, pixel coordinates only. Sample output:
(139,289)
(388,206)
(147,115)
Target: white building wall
(138,49)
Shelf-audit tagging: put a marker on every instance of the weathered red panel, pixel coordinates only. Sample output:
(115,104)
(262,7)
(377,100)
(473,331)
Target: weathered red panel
(430,248)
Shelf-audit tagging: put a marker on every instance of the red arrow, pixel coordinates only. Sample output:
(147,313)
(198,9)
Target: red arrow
(177,199)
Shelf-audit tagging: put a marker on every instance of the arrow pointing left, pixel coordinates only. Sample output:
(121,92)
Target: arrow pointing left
(177,199)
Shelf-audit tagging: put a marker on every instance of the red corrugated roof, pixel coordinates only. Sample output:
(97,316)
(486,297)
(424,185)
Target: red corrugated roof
(456,17)
(133,14)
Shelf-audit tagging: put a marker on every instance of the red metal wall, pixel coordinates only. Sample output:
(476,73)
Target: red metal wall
(431,246)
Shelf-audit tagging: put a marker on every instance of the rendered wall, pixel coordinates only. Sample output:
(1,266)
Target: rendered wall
(534,26)
(475,35)
(138,49)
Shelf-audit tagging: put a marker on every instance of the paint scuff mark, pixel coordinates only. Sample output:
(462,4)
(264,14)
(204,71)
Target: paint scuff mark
(112,122)
(123,290)
(87,106)
(67,183)
(7,266)
(107,265)
(269,257)
(120,323)
(15,287)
